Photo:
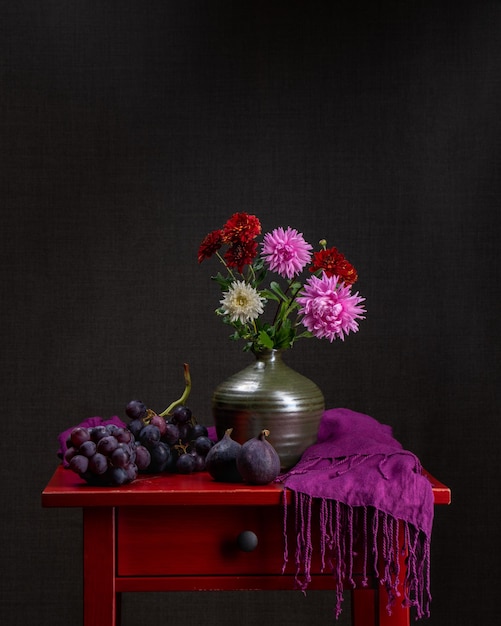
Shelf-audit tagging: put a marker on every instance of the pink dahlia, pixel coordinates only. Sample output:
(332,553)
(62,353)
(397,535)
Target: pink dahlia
(286,252)
(328,307)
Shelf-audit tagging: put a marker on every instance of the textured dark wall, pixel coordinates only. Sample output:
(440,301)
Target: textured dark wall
(131,129)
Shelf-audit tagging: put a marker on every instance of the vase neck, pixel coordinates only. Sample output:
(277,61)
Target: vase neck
(269,356)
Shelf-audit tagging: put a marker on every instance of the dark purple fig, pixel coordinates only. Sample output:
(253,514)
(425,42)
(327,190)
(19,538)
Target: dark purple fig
(258,462)
(221,460)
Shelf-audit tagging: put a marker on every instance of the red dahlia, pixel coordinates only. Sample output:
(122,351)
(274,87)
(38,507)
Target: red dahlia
(333,263)
(241,227)
(240,254)
(211,244)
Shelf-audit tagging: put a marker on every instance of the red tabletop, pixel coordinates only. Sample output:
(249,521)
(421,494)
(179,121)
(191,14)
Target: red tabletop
(67,489)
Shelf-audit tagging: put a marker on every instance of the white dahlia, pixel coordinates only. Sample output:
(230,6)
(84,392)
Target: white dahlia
(242,302)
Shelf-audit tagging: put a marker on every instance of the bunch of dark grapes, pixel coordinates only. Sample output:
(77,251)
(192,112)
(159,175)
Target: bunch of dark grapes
(106,455)
(176,443)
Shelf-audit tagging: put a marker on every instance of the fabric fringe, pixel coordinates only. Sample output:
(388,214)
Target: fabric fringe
(385,544)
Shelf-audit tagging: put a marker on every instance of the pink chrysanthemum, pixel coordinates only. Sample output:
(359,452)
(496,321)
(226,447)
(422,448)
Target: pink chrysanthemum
(286,252)
(328,307)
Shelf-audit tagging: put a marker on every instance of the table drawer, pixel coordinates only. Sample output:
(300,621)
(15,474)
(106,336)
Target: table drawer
(198,540)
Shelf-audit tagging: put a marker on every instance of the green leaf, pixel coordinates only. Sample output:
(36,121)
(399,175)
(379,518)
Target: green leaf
(265,339)
(284,336)
(278,290)
(223,281)
(259,271)
(258,264)
(269,295)
(306,334)
(259,277)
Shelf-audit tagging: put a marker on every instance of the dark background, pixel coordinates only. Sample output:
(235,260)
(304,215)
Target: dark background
(130,130)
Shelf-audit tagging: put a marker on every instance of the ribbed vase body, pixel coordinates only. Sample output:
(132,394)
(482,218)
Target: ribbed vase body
(268,394)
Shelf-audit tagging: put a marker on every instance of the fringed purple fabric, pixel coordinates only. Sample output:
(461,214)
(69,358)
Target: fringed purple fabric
(371,504)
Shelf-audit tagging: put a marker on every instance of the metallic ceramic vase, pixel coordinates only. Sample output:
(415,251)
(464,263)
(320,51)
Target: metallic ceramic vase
(268,394)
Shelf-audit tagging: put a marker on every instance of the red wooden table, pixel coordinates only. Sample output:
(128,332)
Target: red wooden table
(135,539)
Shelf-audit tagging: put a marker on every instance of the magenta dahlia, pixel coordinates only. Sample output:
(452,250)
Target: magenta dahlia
(328,307)
(286,252)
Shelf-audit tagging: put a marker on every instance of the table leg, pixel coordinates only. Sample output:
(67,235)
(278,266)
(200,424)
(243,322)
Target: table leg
(400,616)
(99,594)
(363,607)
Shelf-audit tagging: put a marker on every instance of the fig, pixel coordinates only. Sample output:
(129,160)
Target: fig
(221,460)
(258,462)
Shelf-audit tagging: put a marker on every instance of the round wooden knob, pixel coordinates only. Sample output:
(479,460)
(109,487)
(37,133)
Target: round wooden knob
(247,541)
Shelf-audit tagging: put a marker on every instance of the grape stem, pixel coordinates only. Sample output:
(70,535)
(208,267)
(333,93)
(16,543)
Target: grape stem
(186,392)
(180,447)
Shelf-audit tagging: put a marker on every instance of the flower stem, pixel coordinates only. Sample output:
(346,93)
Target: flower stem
(225,264)
(251,269)
(287,310)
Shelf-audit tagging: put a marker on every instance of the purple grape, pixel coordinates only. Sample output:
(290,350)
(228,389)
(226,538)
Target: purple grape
(120,457)
(132,472)
(106,445)
(88,448)
(135,427)
(79,435)
(123,435)
(159,422)
(131,450)
(174,455)
(199,461)
(136,409)
(98,464)
(186,464)
(160,457)
(181,415)
(171,435)
(98,432)
(117,475)
(70,453)
(143,457)
(185,432)
(202,445)
(149,436)
(199,430)
(79,464)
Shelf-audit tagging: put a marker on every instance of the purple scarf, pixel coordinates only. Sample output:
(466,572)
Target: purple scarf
(363,478)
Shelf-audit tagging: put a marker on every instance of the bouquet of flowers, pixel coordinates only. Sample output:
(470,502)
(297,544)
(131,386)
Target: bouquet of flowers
(322,306)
